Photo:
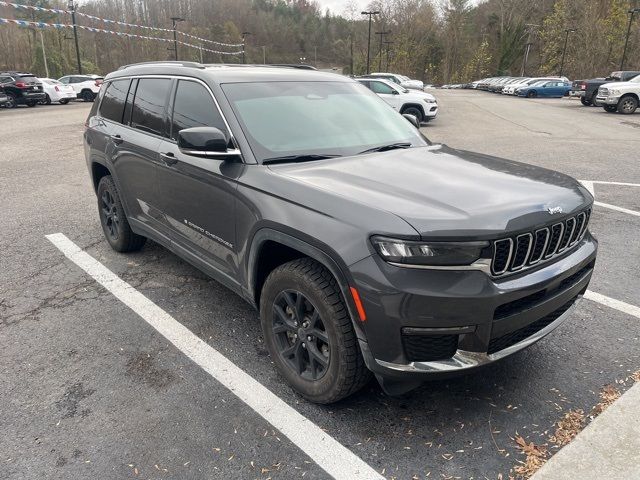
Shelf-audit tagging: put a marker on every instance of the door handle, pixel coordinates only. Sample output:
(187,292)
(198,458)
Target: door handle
(168,158)
(117,139)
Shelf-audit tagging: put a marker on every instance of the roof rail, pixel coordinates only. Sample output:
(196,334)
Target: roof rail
(168,63)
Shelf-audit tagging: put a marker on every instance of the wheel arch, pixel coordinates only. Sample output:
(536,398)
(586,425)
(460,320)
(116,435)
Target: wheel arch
(271,248)
(630,94)
(98,170)
(413,105)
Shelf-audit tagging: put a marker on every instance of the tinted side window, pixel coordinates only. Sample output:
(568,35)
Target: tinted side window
(112,104)
(194,107)
(149,105)
(379,87)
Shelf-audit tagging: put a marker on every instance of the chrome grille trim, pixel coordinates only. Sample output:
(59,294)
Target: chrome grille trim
(519,240)
(509,256)
(569,233)
(547,235)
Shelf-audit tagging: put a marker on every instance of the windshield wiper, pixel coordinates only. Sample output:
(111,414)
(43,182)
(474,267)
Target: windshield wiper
(298,158)
(384,148)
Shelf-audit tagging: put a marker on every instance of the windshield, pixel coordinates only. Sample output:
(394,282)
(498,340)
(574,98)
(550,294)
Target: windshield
(28,78)
(315,118)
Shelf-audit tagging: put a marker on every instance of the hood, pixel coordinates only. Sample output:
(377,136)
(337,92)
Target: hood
(621,85)
(446,193)
(420,94)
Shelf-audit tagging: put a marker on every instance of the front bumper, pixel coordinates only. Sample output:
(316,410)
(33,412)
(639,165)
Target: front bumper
(609,100)
(431,110)
(483,319)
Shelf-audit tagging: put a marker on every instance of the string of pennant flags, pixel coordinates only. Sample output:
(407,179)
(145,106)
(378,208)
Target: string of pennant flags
(26,23)
(58,11)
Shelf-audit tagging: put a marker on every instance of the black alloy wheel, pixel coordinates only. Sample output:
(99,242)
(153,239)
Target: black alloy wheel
(12,102)
(300,335)
(113,219)
(110,215)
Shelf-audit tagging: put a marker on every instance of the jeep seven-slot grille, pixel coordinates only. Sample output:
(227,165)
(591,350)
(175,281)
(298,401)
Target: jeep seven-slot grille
(530,248)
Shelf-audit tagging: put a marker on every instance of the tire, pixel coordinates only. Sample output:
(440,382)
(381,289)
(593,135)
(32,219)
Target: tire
(611,108)
(585,102)
(64,101)
(113,219)
(627,105)
(331,333)
(32,103)
(12,103)
(415,111)
(46,101)
(593,99)
(532,94)
(87,96)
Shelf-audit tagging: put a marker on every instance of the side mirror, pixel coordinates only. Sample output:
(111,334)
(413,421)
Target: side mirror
(411,119)
(395,92)
(204,142)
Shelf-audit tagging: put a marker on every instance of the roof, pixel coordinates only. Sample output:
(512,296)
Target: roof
(228,73)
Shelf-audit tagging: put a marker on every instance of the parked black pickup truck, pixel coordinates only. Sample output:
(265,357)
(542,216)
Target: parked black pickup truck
(587,90)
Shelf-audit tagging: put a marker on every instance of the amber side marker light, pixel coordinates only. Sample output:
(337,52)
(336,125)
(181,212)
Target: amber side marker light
(358,302)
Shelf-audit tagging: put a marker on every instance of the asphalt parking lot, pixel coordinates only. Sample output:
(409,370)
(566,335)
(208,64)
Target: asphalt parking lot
(88,389)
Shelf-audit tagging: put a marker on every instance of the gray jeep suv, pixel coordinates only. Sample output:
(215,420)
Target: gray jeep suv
(364,247)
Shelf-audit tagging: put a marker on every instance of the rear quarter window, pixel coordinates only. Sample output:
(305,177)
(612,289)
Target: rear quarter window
(113,100)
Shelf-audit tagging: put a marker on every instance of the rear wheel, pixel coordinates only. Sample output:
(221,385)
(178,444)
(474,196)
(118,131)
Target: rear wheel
(12,102)
(87,95)
(46,100)
(585,102)
(114,220)
(627,105)
(308,332)
(31,103)
(415,111)
(64,101)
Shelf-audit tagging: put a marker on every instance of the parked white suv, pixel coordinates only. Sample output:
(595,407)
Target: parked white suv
(622,97)
(421,105)
(406,82)
(85,86)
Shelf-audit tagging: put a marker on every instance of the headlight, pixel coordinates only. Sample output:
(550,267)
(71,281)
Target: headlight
(430,100)
(428,253)
(613,92)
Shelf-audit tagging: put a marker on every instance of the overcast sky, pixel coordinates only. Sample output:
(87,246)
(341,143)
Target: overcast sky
(338,6)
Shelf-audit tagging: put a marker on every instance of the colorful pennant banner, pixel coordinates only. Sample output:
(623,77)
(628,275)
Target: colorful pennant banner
(26,23)
(116,22)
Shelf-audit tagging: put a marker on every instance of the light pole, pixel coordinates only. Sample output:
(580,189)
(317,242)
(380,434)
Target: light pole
(387,43)
(175,21)
(72,9)
(382,34)
(371,14)
(244,44)
(632,12)
(530,27)
(564,50)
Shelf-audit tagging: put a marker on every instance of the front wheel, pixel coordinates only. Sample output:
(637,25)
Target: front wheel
(113,219)
(64,101)
(12,102)
(308,332)
(415,111)
(532,94)
(585,102)
(611,108)
(627,105)
(31,103)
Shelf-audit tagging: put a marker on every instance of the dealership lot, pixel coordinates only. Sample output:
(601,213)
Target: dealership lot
(90,389)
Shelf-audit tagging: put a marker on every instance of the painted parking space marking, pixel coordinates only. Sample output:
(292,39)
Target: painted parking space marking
(333,457)
(617,209)
(613,303)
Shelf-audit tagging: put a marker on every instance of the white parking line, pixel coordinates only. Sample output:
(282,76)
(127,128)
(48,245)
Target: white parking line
(624,184)
(337,460)
(617,209)
(613,303)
